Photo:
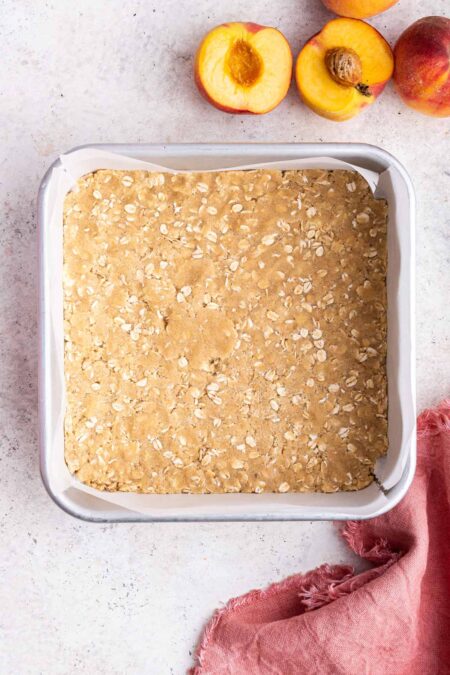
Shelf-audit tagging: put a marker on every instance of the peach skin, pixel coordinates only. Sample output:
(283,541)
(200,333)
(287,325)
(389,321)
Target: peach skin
(243,68)
(358,9)
(343,69)
(422,66)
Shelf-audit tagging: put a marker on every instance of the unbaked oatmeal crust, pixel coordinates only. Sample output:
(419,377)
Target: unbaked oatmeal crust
(225,331)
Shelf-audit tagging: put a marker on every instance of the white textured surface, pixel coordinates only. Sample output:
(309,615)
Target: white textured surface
(131,599)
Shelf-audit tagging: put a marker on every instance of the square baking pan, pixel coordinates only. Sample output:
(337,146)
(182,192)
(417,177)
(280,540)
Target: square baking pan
(393,473)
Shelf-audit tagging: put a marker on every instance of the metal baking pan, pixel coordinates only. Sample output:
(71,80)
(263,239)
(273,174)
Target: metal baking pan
(394,472)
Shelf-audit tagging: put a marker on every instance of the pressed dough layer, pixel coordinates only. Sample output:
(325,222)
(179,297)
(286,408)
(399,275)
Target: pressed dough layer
(224,332)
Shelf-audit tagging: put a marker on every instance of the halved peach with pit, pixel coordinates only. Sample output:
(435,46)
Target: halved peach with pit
(244,67)
(343,69)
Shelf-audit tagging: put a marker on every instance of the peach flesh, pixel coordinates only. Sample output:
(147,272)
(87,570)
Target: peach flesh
(243,68)
(343,69)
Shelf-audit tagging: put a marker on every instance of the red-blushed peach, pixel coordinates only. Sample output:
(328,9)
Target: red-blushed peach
(422,66)
(343,69)
(358,9)
(243,67)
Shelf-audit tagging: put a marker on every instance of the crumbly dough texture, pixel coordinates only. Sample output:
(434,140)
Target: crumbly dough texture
(225,332)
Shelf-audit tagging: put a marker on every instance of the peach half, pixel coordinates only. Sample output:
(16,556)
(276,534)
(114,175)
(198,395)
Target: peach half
(358,9)
(343,69)
(422,66)
(244,67)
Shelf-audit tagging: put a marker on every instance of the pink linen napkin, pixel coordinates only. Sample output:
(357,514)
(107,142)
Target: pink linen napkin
(393,618)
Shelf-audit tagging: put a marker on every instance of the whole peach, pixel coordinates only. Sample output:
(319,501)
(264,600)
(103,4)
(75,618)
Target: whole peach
(422,66)
(358,9)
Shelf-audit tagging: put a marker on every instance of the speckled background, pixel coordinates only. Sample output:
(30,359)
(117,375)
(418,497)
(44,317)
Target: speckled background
(85,598)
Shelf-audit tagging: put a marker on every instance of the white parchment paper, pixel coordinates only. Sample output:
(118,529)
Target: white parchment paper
(79,162)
